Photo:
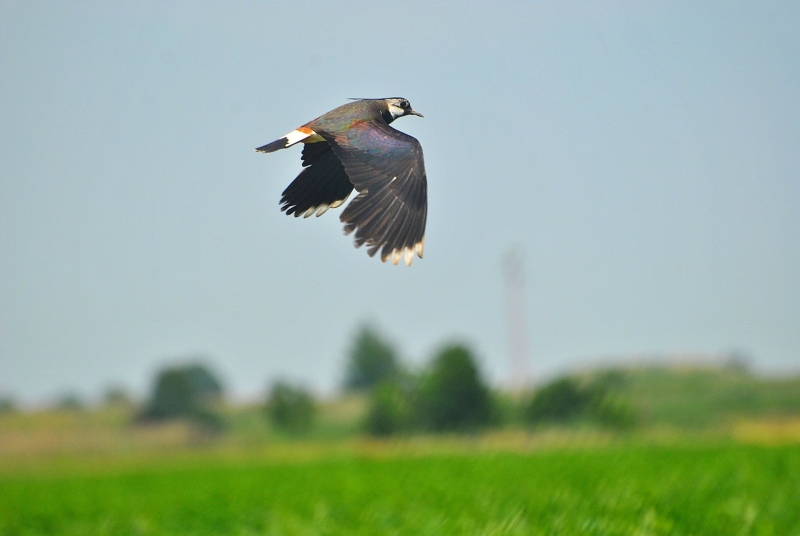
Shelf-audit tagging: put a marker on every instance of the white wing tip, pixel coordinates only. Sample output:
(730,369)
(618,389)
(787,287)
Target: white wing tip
(407,253)
(338,203)
(409,256)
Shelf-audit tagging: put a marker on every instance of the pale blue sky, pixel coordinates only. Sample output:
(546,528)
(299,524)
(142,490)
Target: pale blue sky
(645,156)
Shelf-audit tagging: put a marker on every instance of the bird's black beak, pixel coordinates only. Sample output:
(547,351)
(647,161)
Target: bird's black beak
(414,112)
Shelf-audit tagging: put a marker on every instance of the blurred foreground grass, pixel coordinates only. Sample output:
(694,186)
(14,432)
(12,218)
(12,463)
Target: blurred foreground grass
(618,489)
(717,452)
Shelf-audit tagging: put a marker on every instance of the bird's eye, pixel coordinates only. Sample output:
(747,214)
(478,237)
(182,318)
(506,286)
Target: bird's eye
(404,104)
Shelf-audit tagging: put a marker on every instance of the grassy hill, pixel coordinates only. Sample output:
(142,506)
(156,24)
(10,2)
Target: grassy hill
(701,397)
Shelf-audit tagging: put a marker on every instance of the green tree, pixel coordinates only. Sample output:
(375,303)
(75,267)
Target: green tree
(371,361)
(185,392)
(452,395)
(290,407)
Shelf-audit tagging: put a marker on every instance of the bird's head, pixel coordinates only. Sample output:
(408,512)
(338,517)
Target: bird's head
(398,107)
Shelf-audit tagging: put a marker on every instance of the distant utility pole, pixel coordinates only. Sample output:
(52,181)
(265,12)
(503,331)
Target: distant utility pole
(514,271)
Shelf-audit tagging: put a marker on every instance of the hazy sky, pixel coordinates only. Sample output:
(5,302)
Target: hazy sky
(644,156)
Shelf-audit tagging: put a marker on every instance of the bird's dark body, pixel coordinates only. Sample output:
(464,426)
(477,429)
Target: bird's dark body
(353,147)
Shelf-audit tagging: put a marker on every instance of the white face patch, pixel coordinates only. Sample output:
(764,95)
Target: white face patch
(396,111)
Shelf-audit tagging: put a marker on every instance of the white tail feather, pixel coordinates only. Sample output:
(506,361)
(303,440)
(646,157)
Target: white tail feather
(298,135)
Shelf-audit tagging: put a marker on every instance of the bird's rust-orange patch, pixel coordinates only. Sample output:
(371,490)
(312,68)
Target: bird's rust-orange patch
(306,130)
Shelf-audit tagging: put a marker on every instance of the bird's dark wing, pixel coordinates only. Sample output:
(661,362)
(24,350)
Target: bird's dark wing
(321,185)
(387,169)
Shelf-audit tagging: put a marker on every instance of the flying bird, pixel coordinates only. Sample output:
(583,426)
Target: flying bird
(353,147)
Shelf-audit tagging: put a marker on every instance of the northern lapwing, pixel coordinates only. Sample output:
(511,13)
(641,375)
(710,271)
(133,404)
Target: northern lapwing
(353,146)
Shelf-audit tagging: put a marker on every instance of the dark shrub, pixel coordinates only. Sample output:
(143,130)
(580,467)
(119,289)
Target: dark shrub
(7,405)
(566,400)
(560,401)
(116,396)
(452,395)
(290,408)
(614,412)
(70,401)
(388,410)
(187,392)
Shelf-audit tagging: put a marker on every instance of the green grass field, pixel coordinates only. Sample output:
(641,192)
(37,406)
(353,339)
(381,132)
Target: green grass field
(635,489)
(717,451)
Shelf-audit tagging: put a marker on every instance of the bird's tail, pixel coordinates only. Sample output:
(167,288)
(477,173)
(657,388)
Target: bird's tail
(295,136)
(272,147)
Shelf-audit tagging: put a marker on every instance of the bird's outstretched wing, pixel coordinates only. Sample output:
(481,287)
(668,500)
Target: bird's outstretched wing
(323,184)
(387,169)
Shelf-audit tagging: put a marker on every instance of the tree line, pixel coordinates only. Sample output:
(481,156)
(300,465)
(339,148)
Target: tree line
(448,394)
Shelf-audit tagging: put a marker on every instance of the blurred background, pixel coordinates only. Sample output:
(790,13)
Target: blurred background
(613,215)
